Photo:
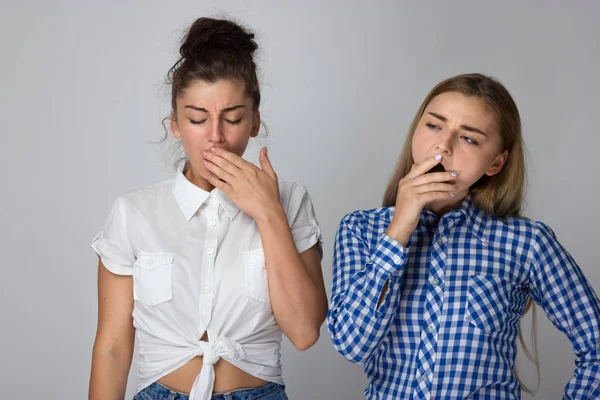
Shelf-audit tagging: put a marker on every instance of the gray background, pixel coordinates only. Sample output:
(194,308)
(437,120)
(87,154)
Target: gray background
(82,97)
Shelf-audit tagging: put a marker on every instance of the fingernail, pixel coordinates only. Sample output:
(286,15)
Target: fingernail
(451,194)
(438,157)
(454,186)
(454,174)
(265,151)
(213,149)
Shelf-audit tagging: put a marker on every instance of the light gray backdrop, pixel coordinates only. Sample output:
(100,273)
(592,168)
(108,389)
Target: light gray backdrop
(81,97)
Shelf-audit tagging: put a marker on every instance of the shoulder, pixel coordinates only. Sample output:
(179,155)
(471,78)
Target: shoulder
(287,187)
(374,220)
(145,197)
(531,235)
(515,224)
(292,193)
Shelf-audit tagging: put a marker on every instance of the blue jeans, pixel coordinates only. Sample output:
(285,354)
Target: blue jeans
(271,391)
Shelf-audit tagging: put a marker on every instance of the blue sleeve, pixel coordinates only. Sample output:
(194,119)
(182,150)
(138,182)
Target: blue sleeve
(355,322)
(559,286)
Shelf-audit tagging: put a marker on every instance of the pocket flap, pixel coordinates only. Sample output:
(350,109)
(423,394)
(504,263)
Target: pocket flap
(148,260)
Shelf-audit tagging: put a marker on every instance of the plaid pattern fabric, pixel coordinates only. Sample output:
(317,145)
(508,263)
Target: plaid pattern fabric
(448,324)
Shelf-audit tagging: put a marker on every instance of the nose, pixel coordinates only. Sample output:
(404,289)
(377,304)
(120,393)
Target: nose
(216,132)
(444,144)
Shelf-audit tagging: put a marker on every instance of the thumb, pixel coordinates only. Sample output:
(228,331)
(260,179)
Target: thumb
(265,163)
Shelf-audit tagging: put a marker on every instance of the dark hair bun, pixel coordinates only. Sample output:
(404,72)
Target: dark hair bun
(208,35)
(214,49)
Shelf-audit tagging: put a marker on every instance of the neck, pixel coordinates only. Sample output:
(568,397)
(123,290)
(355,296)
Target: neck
(193,176)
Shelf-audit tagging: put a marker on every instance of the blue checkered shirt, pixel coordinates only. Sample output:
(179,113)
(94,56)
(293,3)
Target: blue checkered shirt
(448,324)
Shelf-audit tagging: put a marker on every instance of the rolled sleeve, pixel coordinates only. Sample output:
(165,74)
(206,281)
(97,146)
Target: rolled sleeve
(112,243)
(302,219)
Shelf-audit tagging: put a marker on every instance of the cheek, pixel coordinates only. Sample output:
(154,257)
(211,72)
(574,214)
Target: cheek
(419,147)
(237,137)
(239,145)
(191,134)
(192,138)
(471,168)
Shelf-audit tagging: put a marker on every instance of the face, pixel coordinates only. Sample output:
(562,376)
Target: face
(465,132)
(215,114)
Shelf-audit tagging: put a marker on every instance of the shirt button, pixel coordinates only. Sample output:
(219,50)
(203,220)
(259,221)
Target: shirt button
(443,239)
(210,250)
(213,223)
(434,282)
(396,260)
(207,290)
(430,328)
(150,262)
(423,378)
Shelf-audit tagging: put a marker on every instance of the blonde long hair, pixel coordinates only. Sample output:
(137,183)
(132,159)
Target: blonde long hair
(500,195)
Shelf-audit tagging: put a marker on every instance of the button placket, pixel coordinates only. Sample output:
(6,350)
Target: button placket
(210,252)
(435,299)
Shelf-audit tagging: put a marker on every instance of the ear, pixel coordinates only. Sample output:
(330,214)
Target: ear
(174,127)
(498,164)
(255,124)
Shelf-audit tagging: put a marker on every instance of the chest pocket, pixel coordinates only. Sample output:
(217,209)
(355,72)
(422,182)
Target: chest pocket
(257,283)
(153,278)
(489,302)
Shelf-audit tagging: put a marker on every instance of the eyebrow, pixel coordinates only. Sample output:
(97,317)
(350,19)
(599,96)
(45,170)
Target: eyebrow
(222,111)
(464,127)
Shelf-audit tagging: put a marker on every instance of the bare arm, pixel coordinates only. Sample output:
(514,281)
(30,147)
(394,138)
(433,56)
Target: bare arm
(296,284)
(113,347)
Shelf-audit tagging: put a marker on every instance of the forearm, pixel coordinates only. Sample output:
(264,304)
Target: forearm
(110,369)
(365,293)
(298,300)
(363,305)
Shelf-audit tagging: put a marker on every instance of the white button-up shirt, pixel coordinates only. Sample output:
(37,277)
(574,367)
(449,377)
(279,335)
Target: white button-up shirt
(198,265)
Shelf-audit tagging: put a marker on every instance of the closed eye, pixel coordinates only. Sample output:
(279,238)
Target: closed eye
(235,122)
(197,122)
(433,127)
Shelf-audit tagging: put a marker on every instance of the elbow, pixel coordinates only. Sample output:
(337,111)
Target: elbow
(347,346)
(352,356)
(113,349)
(307,340)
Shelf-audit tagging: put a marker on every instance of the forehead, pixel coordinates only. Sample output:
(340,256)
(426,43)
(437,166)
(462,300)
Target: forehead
(467,110)
(222,93)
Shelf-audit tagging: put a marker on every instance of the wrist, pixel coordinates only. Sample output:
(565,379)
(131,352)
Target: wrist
(271,214)
(399,233)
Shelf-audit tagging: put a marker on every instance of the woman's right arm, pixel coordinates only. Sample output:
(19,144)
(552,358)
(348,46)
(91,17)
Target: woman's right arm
(363,297)
(113,347)
(367,281)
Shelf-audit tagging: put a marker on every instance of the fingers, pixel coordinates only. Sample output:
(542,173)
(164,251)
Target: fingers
(433,178)
(265,163)
(420,169)
(221,162)
(232,158)
(219,184)
(448,188)
(430,197)
(218,171)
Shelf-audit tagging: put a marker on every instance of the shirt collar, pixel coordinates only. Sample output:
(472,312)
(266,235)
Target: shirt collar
(476,219)
(190,197)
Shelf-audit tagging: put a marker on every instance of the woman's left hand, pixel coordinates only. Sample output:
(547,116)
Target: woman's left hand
(254,190)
